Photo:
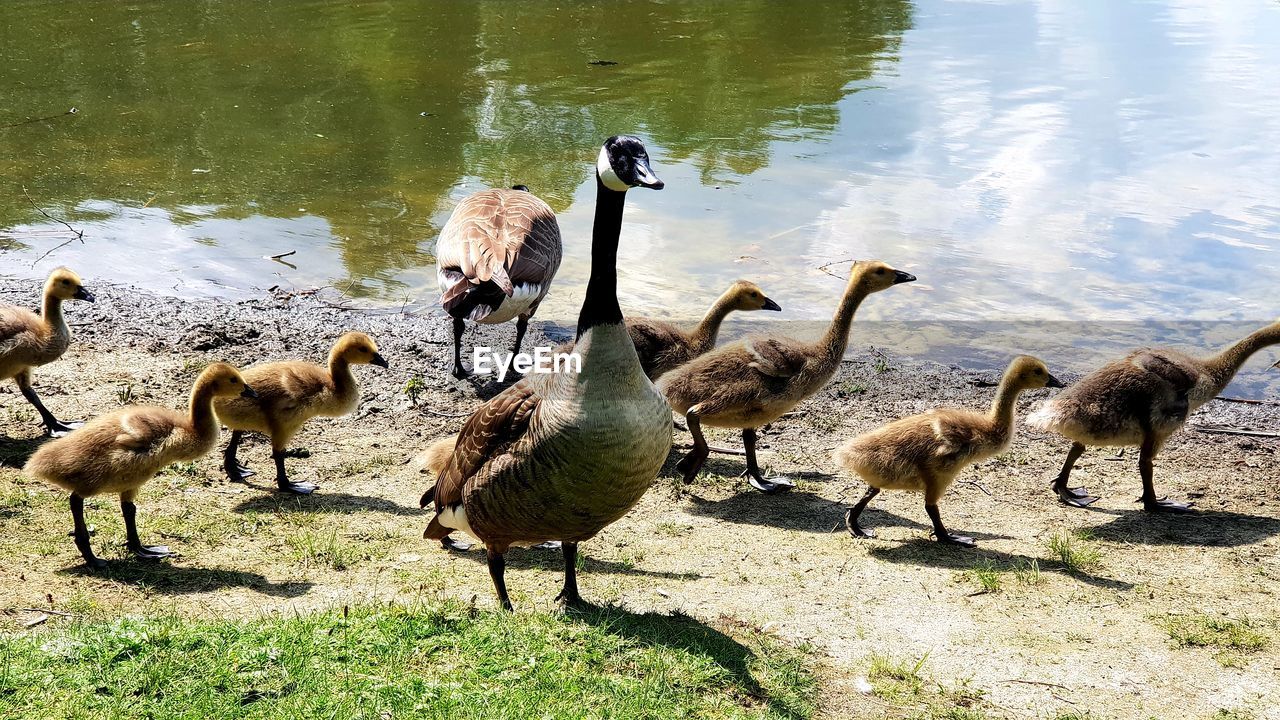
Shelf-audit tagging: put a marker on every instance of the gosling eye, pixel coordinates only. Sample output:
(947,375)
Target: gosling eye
(755,295)
(880,271)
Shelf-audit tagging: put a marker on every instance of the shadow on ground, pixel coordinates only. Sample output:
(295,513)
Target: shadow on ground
(320,502)
(169,579)
(14,452)
(553,561)
(928,553)
(1214,528)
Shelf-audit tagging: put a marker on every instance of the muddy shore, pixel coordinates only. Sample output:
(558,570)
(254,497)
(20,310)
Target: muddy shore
(1091,637)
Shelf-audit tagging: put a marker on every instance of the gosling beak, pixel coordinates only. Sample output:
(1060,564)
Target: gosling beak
(248,392)
(901,277)
(379,361)
(645,176)
(770,305)
(1054,382)
(83,294)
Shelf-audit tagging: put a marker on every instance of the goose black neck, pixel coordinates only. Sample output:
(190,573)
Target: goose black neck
(600,305)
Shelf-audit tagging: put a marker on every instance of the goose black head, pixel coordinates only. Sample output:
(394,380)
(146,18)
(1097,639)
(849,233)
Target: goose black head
(624,164)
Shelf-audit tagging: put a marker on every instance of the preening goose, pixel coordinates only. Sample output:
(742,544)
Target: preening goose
(757,380)
(289,394)
(662,346)
(560,456)
(1141,399)
(925,452)
(28,340)
(495,261)
(120,451)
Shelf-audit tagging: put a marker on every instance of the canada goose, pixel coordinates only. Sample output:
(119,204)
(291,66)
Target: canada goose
(28,340)
(757,380)
(495,260)
(289,394)
(663,347)
(558,456)
(1140,399)
(119,451)
(925,452)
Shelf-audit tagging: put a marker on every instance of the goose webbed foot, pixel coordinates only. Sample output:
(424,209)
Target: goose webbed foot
(1074,496)
(151,552)
(297,488)
(460,372)
(690,465)
(948,538)
(449,542)
(238,473)
(1165,505)
(56,428)
(855,529)
(570,598)
(93,562)
(768,487)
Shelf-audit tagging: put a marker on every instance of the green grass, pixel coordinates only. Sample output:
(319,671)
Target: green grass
(989,577)
(324,549)
(1073,551)
(1233,639)
(903,683)
(443,661)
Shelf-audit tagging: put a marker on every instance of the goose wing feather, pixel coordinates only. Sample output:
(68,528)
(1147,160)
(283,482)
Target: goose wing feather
(485,438)
(16,326)
(775,356)
(508,236)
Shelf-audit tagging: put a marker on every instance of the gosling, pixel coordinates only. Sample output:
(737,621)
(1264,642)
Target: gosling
(925,452)
(28,341)
(1141,399)
(120,451)
(289,394)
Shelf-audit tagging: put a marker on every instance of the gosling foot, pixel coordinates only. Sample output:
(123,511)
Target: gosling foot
(1074,496)
(690,466)
(238,473)
(449,542)
(302,488)
(1165,505)
(95,563)
(460,372)
(57,428)
(947,538)
(770,486)
(856,530)
(151,552)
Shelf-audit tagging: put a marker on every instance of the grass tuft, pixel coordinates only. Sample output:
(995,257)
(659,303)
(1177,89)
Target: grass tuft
(1073,552)
(1232,638)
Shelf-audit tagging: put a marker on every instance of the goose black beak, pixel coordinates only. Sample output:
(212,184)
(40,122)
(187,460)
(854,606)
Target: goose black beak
(380,361)
(248,392)
(770,305)
(901,277)
(645,176)
(84,295)
(1055,383)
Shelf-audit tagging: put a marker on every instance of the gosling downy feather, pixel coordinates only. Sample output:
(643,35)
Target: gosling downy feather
(560,456)
(924,453)
(28,340)
(288,395)
(120,451)
(1140,399)
(495,261)
(757,380)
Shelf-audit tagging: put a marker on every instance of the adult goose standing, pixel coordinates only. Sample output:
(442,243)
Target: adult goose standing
(1140,399)
(559,456)
(28,340)
(495,260)
(757,380)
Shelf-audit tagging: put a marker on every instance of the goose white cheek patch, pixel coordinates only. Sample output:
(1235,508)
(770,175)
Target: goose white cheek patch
(607,175)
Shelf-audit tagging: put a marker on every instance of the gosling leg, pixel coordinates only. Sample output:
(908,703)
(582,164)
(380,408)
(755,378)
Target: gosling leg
(1077,496)
(497,571)
(81,535)
(130,512)
(692,463)
(569,594)
(52,425)
(934,488)
(852,514)
(1146,467)
(753,474)
(282,478)
(236,472)
(458,328)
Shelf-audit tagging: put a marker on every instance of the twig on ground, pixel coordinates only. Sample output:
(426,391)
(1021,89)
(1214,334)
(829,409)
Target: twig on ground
(1037,682)
(1245,401)
(72,111)
(1227,430)
(978,485)
(824,267)
(280,255)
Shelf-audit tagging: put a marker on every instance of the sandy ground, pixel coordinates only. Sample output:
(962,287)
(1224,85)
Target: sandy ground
(1090,641)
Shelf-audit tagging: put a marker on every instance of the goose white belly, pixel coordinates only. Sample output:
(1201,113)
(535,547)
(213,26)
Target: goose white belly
(522,298)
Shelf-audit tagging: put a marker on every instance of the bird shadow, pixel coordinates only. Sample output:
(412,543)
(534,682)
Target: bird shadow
(553,561)
(322,502)
(169,579)
(929,553)
(1211,528)
(741,660)
(15,452)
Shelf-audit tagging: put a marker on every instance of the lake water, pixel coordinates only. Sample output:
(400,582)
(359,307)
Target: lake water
(1100,172)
